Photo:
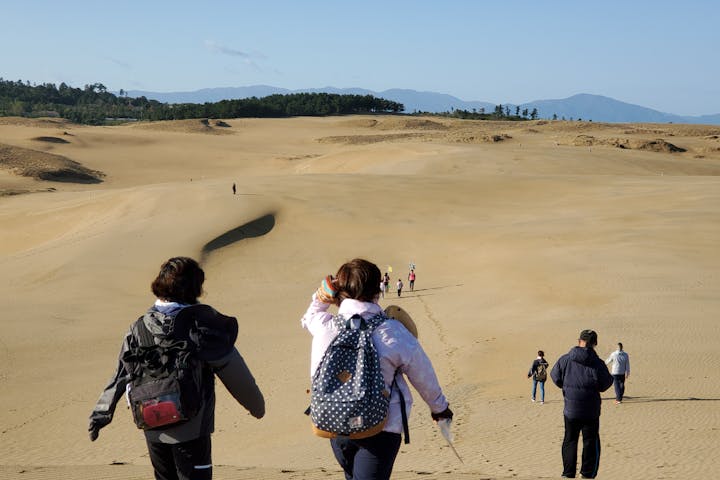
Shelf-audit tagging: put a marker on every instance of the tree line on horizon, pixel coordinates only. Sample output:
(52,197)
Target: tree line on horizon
(95,105)
(501,112)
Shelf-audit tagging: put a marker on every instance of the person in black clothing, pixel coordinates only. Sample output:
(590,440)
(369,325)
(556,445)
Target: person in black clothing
(181,451)
(582,375)
(538,372)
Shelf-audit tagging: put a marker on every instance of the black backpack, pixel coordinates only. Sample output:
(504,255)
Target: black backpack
(166,378)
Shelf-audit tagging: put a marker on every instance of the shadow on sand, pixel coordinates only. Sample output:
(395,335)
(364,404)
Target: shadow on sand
(256,228)
(431,288)
(657,399)
(414,293)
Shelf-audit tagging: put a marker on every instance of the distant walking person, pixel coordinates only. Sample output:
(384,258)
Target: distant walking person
(382,288)
(538,372)
(582,375)
(411,279)
(620,370)
(234,189)
(399,287)
(386,281)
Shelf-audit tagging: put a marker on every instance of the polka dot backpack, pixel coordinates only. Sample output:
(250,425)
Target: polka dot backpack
(348,396)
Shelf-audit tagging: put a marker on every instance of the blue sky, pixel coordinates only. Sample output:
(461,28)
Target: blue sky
(658,54)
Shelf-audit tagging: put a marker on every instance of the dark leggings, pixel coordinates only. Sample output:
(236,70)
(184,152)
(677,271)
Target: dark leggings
(181,461)
(591,447)
(369,458)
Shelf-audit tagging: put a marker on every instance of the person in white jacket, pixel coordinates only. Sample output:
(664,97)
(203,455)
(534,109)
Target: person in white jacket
(354,290)
(620,371)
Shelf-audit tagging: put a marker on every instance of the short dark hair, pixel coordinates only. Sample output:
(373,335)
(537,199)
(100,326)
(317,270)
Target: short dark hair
(180,280)
(358,279)
(589,337)
(620,345)
(541,353)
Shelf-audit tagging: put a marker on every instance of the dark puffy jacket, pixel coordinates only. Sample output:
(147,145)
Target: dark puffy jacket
(215,334)
(582,376)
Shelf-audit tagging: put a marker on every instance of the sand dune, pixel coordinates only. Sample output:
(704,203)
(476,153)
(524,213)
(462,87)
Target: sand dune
(45,166)
(519,244)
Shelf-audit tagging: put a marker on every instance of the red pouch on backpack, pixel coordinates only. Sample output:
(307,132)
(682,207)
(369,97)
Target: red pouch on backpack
(157,414)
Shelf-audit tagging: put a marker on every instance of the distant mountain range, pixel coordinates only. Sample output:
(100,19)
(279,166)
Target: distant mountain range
(582,106)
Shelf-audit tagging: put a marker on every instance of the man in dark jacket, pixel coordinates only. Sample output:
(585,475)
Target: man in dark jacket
(582,375)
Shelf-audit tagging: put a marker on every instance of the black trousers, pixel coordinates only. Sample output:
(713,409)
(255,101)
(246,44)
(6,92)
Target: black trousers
(369,458)
(619,382)
(591,447)
(181,461)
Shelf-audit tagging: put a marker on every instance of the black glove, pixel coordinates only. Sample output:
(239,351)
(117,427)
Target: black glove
(447,413)
(97,421)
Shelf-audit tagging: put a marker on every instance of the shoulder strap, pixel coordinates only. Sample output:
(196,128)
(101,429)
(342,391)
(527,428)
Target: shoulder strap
(403,408)
(357,321)
(140,342)
(376,320)
(144,337)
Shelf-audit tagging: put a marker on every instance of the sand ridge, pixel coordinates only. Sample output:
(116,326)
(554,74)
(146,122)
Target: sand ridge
(518,244)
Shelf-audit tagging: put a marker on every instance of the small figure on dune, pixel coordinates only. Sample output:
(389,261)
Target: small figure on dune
(620,371)
(538,372)
(411,279)
(234,189)
(399,287)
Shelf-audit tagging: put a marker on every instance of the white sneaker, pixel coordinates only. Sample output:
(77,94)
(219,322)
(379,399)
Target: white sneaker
(532,400)
(542,402)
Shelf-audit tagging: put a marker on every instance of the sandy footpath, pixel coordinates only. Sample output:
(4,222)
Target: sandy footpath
(522,234)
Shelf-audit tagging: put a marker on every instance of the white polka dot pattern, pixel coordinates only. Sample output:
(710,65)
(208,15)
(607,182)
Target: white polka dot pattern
(361,401)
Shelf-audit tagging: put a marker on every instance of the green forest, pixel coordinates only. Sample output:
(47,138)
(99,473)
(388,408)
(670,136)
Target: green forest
(95,105)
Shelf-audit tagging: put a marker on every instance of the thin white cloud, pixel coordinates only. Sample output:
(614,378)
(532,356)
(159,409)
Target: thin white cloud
(215,47)
(119,63)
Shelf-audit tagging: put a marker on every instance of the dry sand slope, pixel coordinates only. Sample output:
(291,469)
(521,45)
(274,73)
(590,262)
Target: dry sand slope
(523,234)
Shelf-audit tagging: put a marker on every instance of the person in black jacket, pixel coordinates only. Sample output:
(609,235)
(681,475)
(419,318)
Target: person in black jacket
(538,372)
(582,375)
(182,451)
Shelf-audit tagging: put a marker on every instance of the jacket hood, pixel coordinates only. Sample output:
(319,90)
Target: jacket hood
(160,324)
(160,318)
(214,333)
(582,355)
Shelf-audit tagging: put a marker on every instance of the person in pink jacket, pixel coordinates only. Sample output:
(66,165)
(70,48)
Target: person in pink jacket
(355,290)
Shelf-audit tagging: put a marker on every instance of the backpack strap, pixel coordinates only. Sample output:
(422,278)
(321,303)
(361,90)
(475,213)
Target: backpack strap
(143,335)
(403,408)
(140,341)
(357,321)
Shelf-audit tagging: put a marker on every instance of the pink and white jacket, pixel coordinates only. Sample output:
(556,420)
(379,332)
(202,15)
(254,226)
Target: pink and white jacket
(398,351)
